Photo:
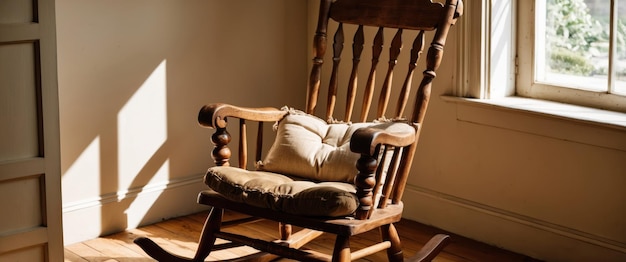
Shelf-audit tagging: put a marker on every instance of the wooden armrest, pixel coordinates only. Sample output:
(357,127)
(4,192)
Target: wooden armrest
(214,115)
(366,140)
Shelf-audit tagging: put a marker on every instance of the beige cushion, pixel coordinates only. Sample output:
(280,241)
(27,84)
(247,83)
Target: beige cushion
(283,193)
(308,147)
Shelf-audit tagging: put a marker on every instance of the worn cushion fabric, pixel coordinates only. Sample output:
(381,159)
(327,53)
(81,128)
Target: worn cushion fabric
(308,147)
(283,193)
(309,170)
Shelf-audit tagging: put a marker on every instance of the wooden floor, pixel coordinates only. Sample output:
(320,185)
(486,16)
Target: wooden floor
(180,236)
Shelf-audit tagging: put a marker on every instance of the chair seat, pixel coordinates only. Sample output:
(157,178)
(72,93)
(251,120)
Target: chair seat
(283,193)
(339,225)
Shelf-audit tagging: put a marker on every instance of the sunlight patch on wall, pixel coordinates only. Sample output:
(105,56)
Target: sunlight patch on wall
(147,196)
(81,196)
(142,127)
(83,176)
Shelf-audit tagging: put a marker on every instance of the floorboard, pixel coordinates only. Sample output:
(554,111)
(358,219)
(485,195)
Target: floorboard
(179,235)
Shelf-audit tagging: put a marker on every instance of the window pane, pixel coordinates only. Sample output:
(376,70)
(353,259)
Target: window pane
(572,43)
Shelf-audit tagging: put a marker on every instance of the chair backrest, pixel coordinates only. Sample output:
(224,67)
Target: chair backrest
(362,81)
(403,18)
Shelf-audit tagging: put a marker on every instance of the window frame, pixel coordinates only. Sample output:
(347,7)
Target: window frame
(504,72)
(527,86)
(482,33)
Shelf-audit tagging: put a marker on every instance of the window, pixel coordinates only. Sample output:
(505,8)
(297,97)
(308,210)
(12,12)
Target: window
(570,51)
(573,51)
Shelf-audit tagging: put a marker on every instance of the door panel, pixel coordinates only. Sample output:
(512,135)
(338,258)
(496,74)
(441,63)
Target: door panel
(26,209)
(20,11)
(35,253)
(18,102)
(30,173)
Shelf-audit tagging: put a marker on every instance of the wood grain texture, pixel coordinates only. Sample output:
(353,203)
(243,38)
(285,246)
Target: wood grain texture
(180,235)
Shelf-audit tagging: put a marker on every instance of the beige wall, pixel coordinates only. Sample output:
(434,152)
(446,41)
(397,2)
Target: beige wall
(517,181)
(132,76)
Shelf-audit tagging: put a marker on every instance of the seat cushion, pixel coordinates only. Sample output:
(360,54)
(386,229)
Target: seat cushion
(283,193)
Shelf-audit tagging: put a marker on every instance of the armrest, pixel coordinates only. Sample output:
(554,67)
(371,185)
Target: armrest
(214,115)
(366,140)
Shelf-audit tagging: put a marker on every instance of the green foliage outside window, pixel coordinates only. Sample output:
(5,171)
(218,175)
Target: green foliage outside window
(574,36)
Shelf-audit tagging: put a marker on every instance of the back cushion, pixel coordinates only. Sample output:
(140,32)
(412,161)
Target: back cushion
(308,147)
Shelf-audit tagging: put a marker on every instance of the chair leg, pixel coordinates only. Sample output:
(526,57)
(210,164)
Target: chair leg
(285,231)
(389,233)
(207,237)
(341,252)
(205,245)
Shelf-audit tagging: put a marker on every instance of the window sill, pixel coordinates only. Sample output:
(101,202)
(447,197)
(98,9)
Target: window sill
(560,121)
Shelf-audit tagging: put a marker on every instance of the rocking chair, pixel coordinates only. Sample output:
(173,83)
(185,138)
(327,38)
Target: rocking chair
(326,174)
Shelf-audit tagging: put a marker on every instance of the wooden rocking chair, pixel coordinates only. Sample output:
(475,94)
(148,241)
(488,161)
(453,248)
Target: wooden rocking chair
(328,174)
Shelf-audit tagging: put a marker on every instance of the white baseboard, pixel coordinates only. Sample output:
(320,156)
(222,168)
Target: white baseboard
(111,213)
(511,231)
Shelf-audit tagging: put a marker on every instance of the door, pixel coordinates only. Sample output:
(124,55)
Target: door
(30,175)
